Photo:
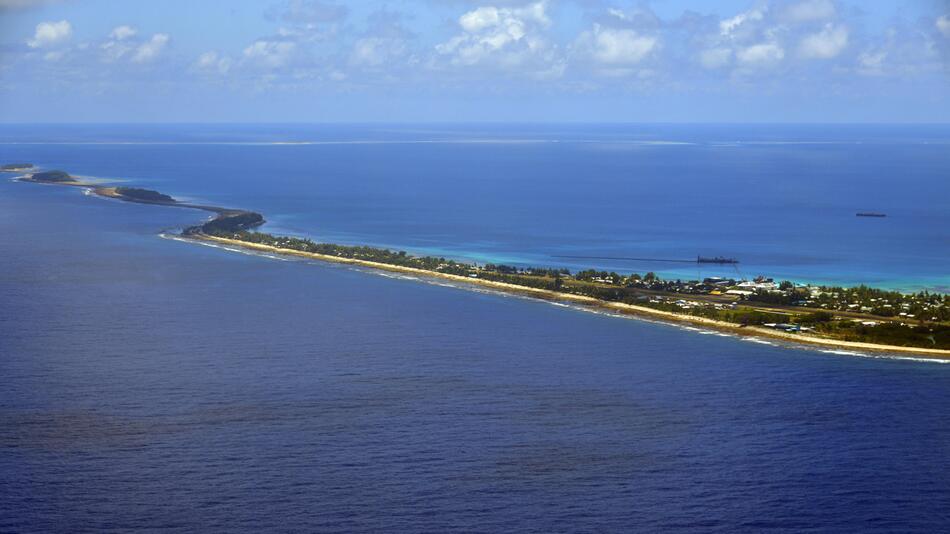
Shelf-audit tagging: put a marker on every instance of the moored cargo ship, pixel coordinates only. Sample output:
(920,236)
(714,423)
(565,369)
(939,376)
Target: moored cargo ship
(716,259)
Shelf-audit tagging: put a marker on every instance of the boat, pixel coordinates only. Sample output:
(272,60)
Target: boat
(870,214)
(717,259)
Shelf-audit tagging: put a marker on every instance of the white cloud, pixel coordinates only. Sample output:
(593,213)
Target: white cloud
(213,62)
(615,46)
(761,55)
(272,54)
(506,36)
(481,18)
(119,44)
(149,50)
(618,13)
(943,25)
(729,26)
(826,44)
(810,10)
(121,33)
(715,58)
(114,50)
(50,33)
(207,60)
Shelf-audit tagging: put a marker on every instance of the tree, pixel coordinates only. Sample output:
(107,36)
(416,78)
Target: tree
(816,317)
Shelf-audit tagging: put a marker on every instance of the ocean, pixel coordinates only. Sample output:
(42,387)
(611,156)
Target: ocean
(148,383)
(780,199)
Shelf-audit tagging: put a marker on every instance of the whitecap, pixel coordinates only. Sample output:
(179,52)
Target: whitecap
(757,340)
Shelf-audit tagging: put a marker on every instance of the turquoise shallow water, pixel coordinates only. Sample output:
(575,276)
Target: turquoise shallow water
(781,199)
(147,383)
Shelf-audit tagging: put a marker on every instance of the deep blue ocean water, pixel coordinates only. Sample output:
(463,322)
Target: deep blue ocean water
(780,199)
(147,383)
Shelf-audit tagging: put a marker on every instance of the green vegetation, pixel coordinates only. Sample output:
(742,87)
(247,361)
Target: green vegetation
(861,313)
(923,306)
(227,223)
(650,291)
(932,336)
(52,177)
(816,318)
(143,195)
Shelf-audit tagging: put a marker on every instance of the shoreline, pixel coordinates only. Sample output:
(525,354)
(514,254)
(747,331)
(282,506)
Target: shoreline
(619,307)
(236,219)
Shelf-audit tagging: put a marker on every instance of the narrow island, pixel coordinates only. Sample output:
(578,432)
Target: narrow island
(16,167)
(856,318)
(51,177)
(225,220)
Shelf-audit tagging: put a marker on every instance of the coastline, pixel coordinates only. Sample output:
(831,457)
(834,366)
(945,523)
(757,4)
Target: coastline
(618,307)
(236,219)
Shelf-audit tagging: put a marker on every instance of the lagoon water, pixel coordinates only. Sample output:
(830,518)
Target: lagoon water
(150,383)
(781,199)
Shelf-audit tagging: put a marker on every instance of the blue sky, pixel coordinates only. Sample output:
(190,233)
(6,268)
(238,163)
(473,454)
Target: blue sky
(479,60)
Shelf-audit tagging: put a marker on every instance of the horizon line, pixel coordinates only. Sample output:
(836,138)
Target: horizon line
(488,122)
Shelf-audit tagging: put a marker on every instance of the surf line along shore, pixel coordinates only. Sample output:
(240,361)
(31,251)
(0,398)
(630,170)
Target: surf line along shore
(234,221)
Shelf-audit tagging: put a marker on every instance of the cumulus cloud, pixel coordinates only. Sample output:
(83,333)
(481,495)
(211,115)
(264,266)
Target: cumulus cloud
(810,10)
(114,50)
(385,45)
(943,25)
(730,26)
(764,37)
(499,35)
(826,44)
(270,53)
(306,28)
(50,34)
(122,44)
(905,51)
(617,46)
(151,49)
(213,62)
(119,44)
(499,41)
(121,33)
(761,55)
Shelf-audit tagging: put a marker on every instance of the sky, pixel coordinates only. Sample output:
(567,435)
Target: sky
(475,60)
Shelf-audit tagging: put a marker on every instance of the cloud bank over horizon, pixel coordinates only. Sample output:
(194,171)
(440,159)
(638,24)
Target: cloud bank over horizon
(313,60)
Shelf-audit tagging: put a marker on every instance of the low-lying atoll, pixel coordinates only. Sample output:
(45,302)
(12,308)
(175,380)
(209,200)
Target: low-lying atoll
(800,314)
(53,177)
(225,220)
